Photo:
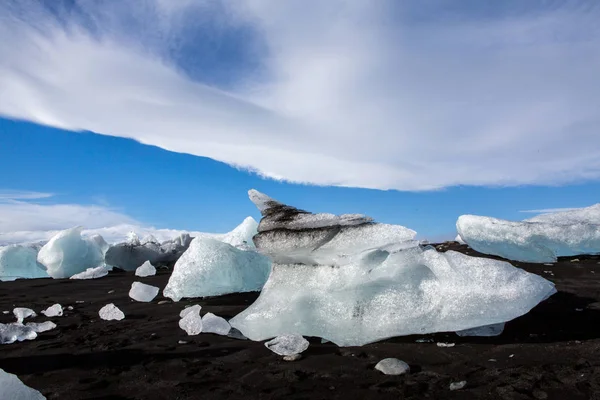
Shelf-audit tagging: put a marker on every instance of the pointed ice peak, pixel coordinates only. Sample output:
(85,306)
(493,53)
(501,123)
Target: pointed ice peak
(262,201)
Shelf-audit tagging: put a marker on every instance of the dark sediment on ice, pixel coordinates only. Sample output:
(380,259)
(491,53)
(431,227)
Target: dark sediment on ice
(553,352)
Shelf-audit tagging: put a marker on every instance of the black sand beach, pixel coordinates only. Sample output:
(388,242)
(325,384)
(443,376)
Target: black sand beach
(551,353)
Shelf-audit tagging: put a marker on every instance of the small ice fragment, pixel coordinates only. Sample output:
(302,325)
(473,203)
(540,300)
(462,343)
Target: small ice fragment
(92,273)
(579,309)
(70,308)
(79,301)
(142,292)
(442,344)
(13,388)
(492,360)
(53,311)
(511,356)
(575,260)
(5,312)
(182,342)
(21,313)
(41,327)
(191,322)
(458,385)
(286,345)
(214,324)
(548,264)
(111,312)
(16,332)
(196,308)
(425,340)
(392,366)
(146,269)
(293,357)
(111,291)
(163,302)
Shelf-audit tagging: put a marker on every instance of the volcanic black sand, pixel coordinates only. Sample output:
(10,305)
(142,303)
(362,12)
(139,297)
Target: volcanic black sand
(551,353)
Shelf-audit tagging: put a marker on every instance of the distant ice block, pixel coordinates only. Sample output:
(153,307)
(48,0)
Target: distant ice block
(535,242)
(134,252)
(484,331)
(287,345)
(55,310)
(214,324)
(92,273)
(20,261)
(241,236)
(195,309)
(16,332)
(110,312)
(392,366)
(67,254)
(212,268)
(40,327)
(142,292)
(99,240)
(146,269)
(11,387)
(21,313)
(191,322)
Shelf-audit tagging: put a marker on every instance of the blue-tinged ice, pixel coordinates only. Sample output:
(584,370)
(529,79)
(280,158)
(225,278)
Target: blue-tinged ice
(20,261)
(11,387)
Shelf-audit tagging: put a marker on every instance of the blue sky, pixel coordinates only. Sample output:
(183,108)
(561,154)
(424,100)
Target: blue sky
(413,113)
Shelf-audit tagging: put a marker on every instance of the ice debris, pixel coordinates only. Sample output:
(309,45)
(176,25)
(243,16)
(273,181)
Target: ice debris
(287,345)
(442,344)
(142,292)
(16,332)
(211,268)
(528,241)
(458,385)
(133,253)
(11,387)
(21,313)
(40,327)
(146,269)
(55,310)
(191,322)
(392,366)
(68,253)
(195,308)
(484,331)
(110,312)
(20,261)
(92,273)
(214,324)
(376,283)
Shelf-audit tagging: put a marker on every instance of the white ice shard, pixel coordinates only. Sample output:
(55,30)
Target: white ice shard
(146,269)
(142,292)
(21,313)
(484,331)
(93,273)
(20,261)
(16,332)
(215,324)
(40,327)
(191,321)
(287,344)
(11,387)
(55,310)
(67,254)
(536,242)
(195,308)
(110,312)
(241,236)
(354,296)
(392,366)
(210,267)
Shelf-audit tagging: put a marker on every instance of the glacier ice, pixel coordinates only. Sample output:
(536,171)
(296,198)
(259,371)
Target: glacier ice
(528,241)
(392,366)
(55,310)
(133,253)
(92,273)
(110,312)
(210,267)
(585,215)
(16,332)
(241,236)
(20,261)
(377,283)
(287,344)
(142,292)
(40,327)
(212,323)
(195,308)
(191,322)
(146,269)
(21,313)
(68,253)
(11,387)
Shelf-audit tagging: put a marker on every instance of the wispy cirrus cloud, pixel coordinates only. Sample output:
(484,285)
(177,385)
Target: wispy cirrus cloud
(387,95)
(15,195)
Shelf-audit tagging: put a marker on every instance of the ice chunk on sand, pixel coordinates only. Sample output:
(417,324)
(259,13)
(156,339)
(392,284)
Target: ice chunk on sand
(212,268)
(53,311)
(110,312)
(214,324)
(412,291)
(40,327)
(195,308)
(67,253)
(21,313)
(458,385)
(392,366)
(146,269)
(20,261)
(191,322)
(16,332)
(93,273)
(11,387)
(484,331)
(242,235)
(287,345)
(536,242)
(142,292)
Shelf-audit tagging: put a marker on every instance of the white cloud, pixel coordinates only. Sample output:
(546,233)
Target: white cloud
(351,93)
(14,195)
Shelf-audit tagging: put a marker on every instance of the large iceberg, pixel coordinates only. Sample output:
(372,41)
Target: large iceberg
(11,387)
(375,284)
(20,261)
(212,268)
(530,241)
(68,253)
